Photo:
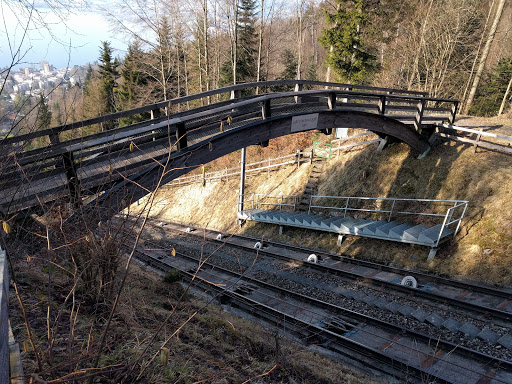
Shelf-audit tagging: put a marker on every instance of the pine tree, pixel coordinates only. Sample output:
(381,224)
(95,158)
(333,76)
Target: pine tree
(44,115)
(289,72)
(108,75)
(350,59)
(132,84)
(490,93)
(247,46)
(44,119)
(88,77)
(247,53)
(290,65)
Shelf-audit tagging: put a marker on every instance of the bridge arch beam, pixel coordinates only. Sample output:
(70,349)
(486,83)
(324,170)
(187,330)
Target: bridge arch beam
(253,133)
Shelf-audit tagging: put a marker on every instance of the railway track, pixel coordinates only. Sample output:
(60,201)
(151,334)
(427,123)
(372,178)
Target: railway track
(266,288)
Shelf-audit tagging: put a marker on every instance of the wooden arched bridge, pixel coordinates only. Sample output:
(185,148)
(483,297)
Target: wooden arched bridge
(117,167)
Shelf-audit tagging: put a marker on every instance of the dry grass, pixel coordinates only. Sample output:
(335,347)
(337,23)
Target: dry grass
(483,249)
(214,347)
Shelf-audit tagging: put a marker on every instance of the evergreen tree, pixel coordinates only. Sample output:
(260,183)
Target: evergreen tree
(350,58)
(133,80)
(290,65)
(311,75)
(161,64)
(43,119)
(490,94)
(58,113)
(88,77)
(247,52)
(289,72)
(44,115)
(108,75)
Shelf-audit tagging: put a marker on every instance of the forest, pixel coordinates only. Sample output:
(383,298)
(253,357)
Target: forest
(452,49)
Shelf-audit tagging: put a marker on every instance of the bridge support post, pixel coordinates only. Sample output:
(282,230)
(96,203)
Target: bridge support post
(331,101)
(419,115)
(432,254)
(74,188)
(181,136)
(298,88)
(454,112)
(242,181)
(383,143)
(340,240)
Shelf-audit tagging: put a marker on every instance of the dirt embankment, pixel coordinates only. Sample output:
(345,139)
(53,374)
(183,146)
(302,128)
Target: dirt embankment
(482,250)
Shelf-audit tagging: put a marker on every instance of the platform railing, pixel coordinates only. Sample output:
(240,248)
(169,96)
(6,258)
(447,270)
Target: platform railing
(261,201)
(453,214)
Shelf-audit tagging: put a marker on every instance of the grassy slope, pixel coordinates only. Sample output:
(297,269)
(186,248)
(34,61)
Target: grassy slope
(213,347)
(483,249)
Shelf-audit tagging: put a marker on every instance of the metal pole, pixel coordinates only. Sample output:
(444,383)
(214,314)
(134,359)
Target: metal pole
(242,180)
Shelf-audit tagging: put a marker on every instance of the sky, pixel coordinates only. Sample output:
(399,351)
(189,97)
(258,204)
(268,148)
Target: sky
(75,42)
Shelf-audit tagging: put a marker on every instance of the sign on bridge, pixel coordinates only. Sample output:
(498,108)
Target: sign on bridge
(304,122)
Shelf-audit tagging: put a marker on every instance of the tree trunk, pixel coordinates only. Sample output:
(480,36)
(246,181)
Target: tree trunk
(205,40)
(300,21)
(415,66)
(483,58)
(235,42)
(477,52)
(503,102)
(260,47)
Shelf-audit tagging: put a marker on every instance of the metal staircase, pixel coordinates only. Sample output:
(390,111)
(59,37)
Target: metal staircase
(336,219)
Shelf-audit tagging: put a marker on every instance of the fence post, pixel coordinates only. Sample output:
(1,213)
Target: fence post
(419,115)
(235,94)
(155,114)
(382,105)
(475,146)
(454,112)
(331,100)
(54,138)
(346,207)
(391,211)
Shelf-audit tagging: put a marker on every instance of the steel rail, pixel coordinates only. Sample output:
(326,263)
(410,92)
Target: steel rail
(482,310)
(443,345)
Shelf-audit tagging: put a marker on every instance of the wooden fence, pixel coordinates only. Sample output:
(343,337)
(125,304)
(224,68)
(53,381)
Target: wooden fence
(478,138)
(267,165)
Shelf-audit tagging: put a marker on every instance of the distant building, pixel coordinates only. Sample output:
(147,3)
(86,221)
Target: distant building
(46,68)
(27,71)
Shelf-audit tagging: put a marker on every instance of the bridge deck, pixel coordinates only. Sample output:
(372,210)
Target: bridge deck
(88,165)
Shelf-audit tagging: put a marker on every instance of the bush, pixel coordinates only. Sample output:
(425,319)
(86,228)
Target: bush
(172,276)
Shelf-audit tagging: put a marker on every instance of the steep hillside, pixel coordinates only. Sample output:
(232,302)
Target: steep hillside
(482,250)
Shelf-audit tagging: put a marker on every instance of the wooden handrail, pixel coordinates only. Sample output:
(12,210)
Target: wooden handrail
(389,96)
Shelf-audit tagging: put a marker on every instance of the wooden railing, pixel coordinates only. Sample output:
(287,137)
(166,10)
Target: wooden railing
(500,143)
